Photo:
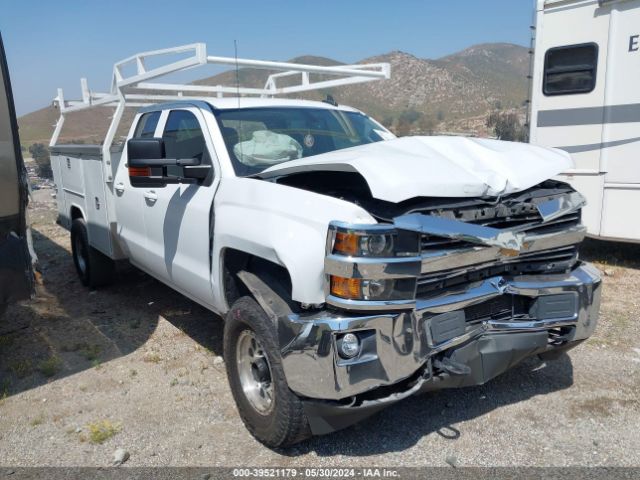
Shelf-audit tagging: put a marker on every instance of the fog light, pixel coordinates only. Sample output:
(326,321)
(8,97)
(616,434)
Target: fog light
(348,345)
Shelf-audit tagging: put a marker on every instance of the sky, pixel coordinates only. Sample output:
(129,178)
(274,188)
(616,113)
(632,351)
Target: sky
(51,44)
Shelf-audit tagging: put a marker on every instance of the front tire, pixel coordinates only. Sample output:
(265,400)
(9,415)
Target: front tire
(272,413)
(94,268)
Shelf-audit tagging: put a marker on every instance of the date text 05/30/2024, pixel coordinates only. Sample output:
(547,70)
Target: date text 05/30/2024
(315,472)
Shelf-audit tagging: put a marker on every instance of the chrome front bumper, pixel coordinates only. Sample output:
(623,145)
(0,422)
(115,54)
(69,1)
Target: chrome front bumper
(399,345)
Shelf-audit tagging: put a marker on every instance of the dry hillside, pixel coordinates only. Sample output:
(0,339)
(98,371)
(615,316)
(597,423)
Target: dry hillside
(453,93)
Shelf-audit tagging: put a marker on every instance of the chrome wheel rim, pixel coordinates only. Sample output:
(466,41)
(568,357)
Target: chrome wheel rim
(254,371)
(82,263)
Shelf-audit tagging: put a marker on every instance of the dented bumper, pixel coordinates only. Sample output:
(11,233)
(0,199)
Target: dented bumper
(483,329)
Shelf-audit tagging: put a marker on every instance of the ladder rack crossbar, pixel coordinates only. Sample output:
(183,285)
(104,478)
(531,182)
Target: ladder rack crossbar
(197,56)
(138,89)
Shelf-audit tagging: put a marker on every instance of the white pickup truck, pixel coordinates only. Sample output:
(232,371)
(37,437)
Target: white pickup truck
(353,269)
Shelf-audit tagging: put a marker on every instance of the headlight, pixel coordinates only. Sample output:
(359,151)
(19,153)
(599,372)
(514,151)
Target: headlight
(378,264)
(375,288)
(356,245)
(372,290)
(377,243)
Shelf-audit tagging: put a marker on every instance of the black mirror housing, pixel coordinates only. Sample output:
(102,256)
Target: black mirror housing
(140,149)
(149,167)
(144,161)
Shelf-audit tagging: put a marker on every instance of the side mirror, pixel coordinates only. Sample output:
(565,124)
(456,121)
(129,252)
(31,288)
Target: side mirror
(149,167)
(140,149)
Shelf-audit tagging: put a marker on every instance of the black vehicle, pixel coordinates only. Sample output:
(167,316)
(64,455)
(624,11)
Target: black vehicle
(16,273)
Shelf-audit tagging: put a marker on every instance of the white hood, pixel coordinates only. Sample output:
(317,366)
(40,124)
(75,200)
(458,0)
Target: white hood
(410,167)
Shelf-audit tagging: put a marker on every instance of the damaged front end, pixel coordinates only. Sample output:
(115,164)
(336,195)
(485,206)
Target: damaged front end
(445,296)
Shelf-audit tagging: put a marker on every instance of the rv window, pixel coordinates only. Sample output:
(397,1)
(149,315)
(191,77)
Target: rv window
(147,125)
(569,70)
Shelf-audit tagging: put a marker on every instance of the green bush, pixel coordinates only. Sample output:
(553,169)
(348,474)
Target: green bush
(40,155)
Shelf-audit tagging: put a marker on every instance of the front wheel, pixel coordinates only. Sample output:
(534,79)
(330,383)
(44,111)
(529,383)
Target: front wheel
(269,409)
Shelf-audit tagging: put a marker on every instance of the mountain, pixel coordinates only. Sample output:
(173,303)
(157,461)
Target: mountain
(460,86)
(453,93)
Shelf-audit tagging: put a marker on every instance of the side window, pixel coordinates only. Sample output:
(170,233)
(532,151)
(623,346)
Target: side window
(147,125)
(183,137)
(569,70)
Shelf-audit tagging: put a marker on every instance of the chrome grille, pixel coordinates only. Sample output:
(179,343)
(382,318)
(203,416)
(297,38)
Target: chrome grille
(561,223)
(527,221)
(454,253)
(549,261)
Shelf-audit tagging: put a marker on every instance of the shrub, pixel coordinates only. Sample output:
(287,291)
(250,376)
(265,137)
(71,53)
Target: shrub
(507,126)
(40,155)
(101,431)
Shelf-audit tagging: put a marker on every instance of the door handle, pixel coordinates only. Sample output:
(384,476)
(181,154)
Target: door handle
(151,195)
(119,187)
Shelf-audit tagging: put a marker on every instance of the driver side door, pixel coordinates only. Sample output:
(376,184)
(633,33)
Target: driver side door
(178,217)
(130,201)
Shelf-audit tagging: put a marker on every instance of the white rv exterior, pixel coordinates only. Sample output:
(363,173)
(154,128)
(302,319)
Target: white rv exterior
(586,101)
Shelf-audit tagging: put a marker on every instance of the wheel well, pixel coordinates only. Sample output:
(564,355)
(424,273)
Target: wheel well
(76,213)
(274,275)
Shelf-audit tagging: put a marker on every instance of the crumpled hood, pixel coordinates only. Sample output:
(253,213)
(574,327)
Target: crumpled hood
(410,167)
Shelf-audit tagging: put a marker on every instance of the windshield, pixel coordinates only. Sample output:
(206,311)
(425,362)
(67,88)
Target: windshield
(258,138)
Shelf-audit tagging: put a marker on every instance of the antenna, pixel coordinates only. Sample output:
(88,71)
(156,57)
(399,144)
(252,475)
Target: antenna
(240,133)
(235,48)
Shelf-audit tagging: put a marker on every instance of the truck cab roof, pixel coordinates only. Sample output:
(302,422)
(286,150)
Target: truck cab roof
(227,103)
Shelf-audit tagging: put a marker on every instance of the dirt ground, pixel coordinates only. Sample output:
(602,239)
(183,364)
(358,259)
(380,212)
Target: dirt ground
(137,366)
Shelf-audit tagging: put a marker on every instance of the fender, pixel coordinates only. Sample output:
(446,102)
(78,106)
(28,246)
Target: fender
(285,225)
(270,301)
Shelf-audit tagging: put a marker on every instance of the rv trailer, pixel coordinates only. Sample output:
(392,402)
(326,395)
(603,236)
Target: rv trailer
(586,101)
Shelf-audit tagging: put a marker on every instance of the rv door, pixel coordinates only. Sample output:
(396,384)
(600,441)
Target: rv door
(16,274)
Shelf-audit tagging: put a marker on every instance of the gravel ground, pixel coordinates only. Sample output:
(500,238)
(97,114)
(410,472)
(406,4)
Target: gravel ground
(144,364)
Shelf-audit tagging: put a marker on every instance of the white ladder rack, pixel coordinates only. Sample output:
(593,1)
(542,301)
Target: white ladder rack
(129,90)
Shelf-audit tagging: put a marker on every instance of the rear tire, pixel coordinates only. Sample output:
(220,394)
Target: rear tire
(94,268)
(272,413)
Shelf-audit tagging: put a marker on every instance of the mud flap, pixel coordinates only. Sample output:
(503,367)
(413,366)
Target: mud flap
(15,273)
